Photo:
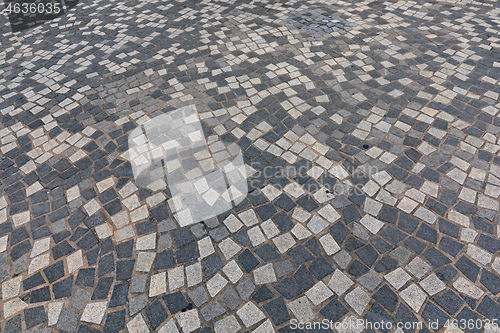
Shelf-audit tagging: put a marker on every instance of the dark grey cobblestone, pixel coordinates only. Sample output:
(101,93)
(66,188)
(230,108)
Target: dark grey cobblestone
(372,127)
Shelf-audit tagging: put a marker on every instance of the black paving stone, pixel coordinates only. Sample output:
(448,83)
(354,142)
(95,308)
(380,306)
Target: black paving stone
(76,218)
(367,254)
(164,260)
(119,295)
(283,221)
(124,269)
(145,227)
(95,220)
(115,322)
(54,272)
(407,224)
(405,315)
(450,246)
(33,281)
(288,289)
(101,291)
(106,247)
(389,214)
(13,325)
(246,258)
(468,268)
(353,243)
(88,241)
(427,233)
(92,256)
(334,310)
(106,265)
(488,243)
(381,245)
(392,235)
(448,228)
(490,281)
(436,258)
(308,203)
(482,224)
(285,203)
(40,295)
(156,314)
(357,268)
(339,232)
(186,254)
(5,228)
(320,268)
(313,245)
(415,245)
(277,311)
(432,314)
(350,214)
(449,301)
(266,211)
(18,235)
(377,315)
(300,255)
(466,315)
(22,248)
(125,250)
(267,253)
(34,316)
(446,273)
(175,302)
(85,277)
(182,237)
(263,294)
(62,288)
(386,297)
(303,278)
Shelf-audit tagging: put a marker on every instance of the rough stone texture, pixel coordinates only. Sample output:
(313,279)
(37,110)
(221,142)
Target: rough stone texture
(371,135)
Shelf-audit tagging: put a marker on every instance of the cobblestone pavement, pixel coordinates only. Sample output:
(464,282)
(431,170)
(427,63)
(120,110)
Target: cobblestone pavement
(371,129)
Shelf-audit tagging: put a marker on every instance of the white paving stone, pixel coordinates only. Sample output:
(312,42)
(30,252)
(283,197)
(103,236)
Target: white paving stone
(468,288)
(158,284)
(216,284)
(250,314)
(189,321)
(329,244)
(176,278)
(418,267)
(227,325)
(358,300)
(339,282)
(432,284)
(94,312)
(137,325)
(319,293)
(233,271)
(397,278)
(284,242)
(413,296)
(264,274)
(229,248)
(372,224)
(302,309)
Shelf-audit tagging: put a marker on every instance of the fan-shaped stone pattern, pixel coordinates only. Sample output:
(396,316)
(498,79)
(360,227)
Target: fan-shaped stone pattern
(370,130)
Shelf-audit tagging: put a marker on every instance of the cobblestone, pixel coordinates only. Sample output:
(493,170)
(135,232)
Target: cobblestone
(370,137)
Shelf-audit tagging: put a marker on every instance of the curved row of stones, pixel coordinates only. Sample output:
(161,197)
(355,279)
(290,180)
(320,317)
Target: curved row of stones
(370,129)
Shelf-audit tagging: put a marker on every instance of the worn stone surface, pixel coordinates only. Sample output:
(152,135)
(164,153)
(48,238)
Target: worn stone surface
(371,132)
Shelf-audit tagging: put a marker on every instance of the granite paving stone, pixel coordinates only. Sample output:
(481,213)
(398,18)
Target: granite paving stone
(369,133)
